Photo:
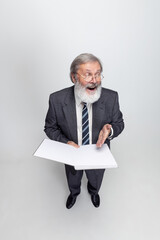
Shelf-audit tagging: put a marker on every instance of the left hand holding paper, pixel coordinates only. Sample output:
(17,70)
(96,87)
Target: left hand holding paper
(73,144)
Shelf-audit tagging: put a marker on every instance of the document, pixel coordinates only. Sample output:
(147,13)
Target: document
(85,157)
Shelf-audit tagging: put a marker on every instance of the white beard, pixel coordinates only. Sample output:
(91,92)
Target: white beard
(80,91)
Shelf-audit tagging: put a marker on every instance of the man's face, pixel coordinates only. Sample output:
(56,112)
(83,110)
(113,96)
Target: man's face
(89,69)
(88,81)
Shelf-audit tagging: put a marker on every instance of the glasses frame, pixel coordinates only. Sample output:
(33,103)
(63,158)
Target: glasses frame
(92,76)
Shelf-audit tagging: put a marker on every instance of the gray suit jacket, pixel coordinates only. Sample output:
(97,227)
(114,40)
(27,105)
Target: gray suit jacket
(61,122)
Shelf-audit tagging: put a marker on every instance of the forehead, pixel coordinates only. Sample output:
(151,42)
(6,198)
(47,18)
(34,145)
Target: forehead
(90,67)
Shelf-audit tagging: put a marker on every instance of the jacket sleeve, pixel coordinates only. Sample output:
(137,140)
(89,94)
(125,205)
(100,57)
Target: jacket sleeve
(117,118)
(52,128)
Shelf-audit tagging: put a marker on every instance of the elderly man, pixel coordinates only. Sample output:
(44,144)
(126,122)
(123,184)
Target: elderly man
(83,114)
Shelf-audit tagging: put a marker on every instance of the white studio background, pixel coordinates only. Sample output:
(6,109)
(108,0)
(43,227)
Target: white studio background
(38,41)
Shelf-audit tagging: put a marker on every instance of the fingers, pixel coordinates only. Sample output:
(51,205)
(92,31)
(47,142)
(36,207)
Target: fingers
(73,144)
(101,139)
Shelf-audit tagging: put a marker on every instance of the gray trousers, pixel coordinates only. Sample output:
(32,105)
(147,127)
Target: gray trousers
(74,177)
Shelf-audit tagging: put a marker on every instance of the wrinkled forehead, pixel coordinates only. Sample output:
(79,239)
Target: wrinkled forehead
(90,67)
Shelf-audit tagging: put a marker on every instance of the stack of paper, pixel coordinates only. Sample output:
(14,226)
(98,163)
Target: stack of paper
(85,157)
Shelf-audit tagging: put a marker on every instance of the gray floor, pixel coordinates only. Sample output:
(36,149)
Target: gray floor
(33,194)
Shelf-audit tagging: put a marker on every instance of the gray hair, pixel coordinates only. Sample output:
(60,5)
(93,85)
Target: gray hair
(81,59)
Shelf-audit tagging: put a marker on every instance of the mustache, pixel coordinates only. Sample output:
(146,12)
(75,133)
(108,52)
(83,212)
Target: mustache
(92,85)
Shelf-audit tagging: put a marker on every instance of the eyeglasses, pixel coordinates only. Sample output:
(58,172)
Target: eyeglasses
(88,77)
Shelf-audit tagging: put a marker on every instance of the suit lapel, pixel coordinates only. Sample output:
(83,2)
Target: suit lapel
(69,109)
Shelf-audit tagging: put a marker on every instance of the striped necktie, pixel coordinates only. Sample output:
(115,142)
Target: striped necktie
(85,125)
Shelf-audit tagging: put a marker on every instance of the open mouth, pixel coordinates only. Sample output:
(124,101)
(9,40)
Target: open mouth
(91,88)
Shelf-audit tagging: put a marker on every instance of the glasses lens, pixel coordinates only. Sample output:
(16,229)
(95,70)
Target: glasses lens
(97,77)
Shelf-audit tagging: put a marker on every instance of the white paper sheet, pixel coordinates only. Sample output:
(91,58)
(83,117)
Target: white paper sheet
(85,157)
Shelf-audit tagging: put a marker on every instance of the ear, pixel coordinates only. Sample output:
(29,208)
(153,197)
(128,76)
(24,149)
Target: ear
(73,78)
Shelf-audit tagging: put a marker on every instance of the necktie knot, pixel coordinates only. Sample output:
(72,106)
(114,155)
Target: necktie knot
(84,104)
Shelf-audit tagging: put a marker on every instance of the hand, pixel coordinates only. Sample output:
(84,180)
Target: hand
(73,144)
(103,135)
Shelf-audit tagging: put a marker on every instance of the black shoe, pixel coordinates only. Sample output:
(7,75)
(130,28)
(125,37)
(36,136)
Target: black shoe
(70,201)
(95,200)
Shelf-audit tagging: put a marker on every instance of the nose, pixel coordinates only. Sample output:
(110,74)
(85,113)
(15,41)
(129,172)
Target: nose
(93,80)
